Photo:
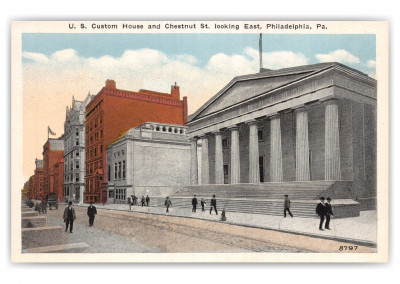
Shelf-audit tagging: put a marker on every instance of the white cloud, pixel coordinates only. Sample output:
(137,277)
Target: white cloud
(371,64)
(277,59)
(38,57)
(339,55)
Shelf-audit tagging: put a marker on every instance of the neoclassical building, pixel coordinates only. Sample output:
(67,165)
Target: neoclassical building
(151,159)
(302,124)
(74,150)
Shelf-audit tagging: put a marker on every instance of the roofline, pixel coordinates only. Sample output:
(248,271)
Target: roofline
(277,73)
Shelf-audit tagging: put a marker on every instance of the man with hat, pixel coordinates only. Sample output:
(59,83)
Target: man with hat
(329,212)
(321,211)
(287,206)
(69,217)
(91,212)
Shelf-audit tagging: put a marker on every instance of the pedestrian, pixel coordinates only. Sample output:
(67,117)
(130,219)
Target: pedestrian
(329,212)
(203,204)
(287,207)
(194,203)
(91,212)
(223,215)
(69,217)
(142,200)
(213,205)
(147,200)
(134,199)
(168,203)
(321,211)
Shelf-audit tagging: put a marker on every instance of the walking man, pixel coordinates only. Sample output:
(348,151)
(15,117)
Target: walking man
(91,212)
(147,200)
(213,205)
(168,203)
(321,211)
(142,200)
(194,203)
(202,203)
(329,212)
(69,217)
(287,206)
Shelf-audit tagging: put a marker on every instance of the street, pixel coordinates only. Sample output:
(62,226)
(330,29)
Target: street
(133,232)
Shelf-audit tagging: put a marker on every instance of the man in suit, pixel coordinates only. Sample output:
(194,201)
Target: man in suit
(202,203)
(69,217)
(287,207)
(321,211)
(329,212)
(91,212)
(168,203)
(213,205)
(147,200)
(194,203)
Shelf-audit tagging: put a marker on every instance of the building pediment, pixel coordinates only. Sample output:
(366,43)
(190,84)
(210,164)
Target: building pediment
(245,88)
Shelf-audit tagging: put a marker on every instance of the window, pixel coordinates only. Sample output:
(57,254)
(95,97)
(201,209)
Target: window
(101,133)
(108,173)
(95,151)
(77,165)
(111,194)
(260,135)
(226,170)
(123,169)
(115,170)
(77,154)
(77,133)
(225,143)
(101,149)
(119,170)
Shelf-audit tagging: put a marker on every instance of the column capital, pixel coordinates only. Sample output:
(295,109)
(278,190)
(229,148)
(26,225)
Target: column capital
(300,108)
(217,132)
(251,122)
(329,101)
(233,127)
(274,115)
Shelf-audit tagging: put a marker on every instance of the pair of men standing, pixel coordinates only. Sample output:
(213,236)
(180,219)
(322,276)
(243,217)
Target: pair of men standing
(324,209)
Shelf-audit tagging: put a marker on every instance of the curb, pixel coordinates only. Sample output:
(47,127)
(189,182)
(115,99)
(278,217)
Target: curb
(332,238)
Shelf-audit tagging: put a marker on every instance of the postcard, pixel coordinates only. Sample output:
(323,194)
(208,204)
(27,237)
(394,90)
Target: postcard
(199,141)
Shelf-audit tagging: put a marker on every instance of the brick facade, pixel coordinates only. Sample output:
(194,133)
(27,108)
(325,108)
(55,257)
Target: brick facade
(112,112)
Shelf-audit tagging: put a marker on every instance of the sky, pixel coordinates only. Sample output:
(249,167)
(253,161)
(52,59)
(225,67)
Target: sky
(57,67)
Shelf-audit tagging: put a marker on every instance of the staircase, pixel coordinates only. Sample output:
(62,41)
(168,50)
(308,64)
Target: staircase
(263,198)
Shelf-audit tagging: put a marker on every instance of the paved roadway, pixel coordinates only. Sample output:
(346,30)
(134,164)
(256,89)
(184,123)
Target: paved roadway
(119,232)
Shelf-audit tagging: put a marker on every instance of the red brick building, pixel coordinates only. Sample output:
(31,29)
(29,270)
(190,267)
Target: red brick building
(58,177)
(31,185)
(38,180)
(53,152)
(112,112)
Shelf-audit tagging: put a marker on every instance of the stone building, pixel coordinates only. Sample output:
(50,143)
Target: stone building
(151,159)
(53,152)
(112,112)
(302,124)
(74,150)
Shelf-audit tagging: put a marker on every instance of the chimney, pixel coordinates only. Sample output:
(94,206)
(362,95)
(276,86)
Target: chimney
(110,84)
(175,93)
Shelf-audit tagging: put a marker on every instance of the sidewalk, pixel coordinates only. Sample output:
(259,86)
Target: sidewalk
(358,230)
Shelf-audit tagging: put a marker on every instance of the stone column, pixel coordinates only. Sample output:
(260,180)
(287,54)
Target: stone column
(332,146)
(254,169)
(235,155)
(219,161)
(193,162)
(302,146)
(276,150)
(205,169)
